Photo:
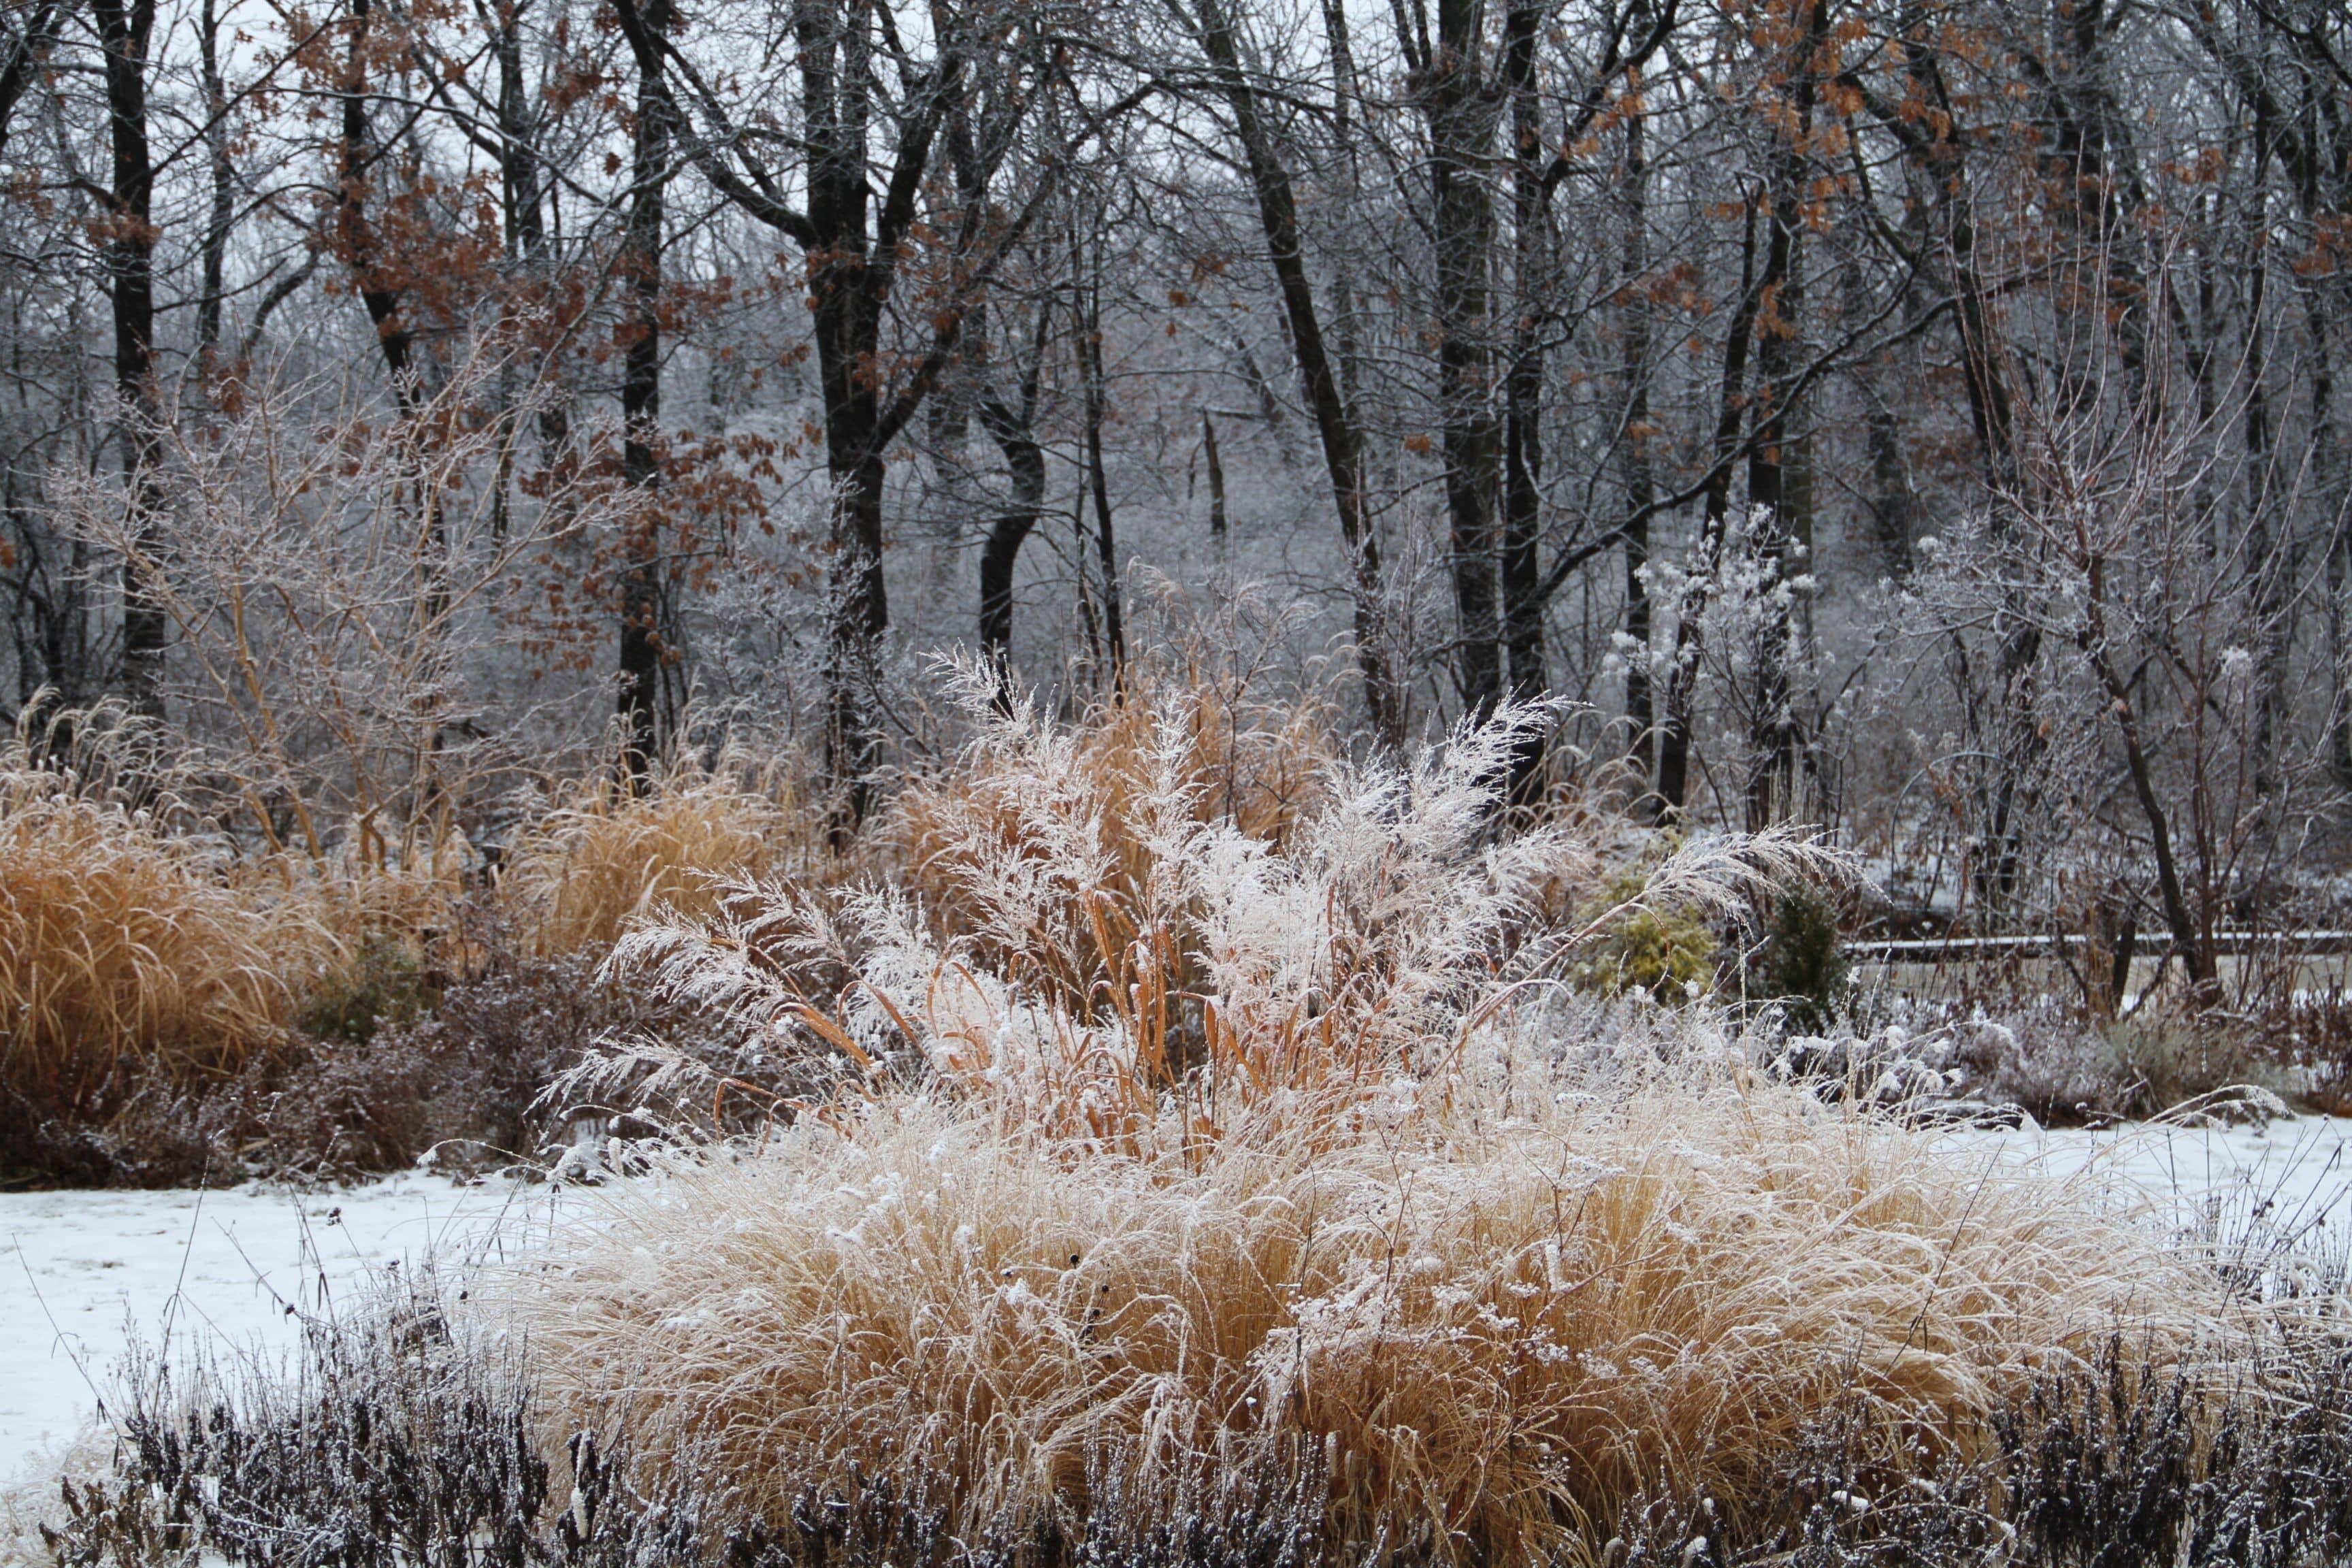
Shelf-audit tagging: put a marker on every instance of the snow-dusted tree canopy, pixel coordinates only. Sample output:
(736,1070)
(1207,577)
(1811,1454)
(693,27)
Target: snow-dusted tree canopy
(1918,418)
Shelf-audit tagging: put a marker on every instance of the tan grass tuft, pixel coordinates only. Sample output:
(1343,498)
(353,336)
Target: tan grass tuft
(138,948)
(1499,1318)
(989,847)
(608,855)
(118,939)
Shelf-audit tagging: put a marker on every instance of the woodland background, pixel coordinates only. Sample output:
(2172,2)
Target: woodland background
(1916,417)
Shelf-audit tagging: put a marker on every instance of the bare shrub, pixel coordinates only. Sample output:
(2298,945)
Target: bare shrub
(2308,1031)
(403,1435)
(407,1433)
(2063,1069)
(462,1088)
(341,589)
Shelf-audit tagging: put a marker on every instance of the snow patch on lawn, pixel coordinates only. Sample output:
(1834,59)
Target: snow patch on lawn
(86,1275)
(2293,1174)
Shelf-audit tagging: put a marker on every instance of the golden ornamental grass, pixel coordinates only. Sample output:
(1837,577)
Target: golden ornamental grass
(120,941)
(130,951)
(134,951)
(1039,847)
(1497,1321)
(609,853)
(1189,1150)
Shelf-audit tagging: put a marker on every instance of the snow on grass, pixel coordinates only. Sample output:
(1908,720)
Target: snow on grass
(86,1275)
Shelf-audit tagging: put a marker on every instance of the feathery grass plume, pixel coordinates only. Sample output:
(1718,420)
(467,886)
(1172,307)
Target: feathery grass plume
(609,853)
(1008,848)
(1091,934)
(1499,1312)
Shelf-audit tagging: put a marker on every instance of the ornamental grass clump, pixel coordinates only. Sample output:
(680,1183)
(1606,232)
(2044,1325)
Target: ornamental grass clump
(1191,1152)
(157,979)
(612,849)
(1117,944)
(1493,1318)
(126,948)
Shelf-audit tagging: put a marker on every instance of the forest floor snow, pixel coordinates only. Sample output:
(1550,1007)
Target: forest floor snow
(84,1276)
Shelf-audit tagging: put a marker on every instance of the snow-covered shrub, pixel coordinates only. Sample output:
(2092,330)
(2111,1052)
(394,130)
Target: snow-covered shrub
(2309,1031)
(1912,1076)
(404,1435)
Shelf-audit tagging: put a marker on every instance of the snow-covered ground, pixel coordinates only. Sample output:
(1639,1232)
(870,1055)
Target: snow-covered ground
(2296,1171)
(84,1274)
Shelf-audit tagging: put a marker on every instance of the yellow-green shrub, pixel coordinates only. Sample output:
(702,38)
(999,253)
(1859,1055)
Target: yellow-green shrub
(1668,955)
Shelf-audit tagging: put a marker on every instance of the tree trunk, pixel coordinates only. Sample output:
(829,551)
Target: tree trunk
(22,48)
(1461,137)
(1778,528)
(1346,92)
(1024,463)
(641,651)
(836,96)
(1523,610)
(1216,480)
(519,175)
(1334,423)
(217,223)
(128,261)
(522,188)
(1014,428)
(2323,457)
(1641,478)
(376,284)
(1106,544)
(1893,505)
(858,620)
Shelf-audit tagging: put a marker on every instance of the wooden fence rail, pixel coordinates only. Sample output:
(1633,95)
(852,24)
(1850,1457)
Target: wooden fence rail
(2151,944)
